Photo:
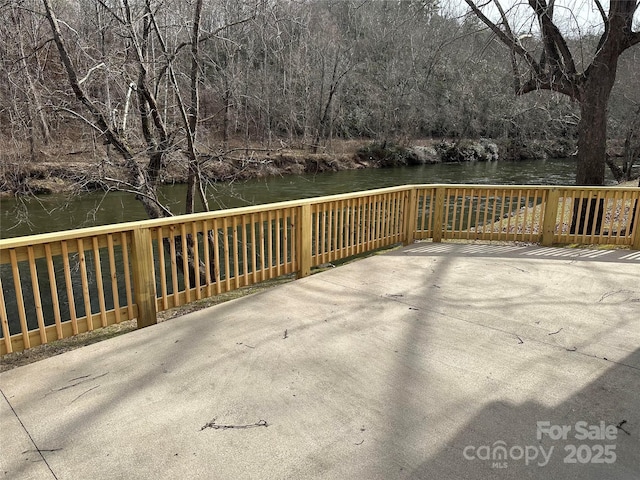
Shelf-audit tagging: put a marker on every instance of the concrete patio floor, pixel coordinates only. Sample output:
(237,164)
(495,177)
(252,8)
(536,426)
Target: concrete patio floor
(417,363)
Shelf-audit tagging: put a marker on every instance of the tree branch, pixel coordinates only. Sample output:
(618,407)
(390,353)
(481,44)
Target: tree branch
(85,120)
(509,40)
(552,84)
(132,189)
(603,14)
(514,62)
(113,14)
(555,43)
(213,34)
(77,89)
(91,70)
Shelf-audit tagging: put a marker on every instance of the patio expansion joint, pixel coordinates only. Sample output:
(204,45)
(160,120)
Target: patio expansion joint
(31,439)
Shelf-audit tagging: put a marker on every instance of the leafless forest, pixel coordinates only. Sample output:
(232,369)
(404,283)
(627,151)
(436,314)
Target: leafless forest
(154,80)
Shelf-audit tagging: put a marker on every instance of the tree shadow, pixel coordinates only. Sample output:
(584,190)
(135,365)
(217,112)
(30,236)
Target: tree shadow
(506,441)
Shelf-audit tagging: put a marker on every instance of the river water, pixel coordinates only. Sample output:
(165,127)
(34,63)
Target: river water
(60,212)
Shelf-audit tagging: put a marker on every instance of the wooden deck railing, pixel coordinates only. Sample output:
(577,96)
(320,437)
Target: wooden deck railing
(57,285)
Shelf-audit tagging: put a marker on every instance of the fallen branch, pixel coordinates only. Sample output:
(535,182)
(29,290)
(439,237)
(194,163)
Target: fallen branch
(215,426)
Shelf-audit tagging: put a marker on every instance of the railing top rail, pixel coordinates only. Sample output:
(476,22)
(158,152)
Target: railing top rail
(524,187)
(159,222)
(154,223)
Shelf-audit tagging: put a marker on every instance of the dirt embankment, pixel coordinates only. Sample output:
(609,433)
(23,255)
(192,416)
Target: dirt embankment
(83,170)
(65,173)
(58,171)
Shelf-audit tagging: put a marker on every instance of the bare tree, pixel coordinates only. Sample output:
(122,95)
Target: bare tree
(139,26)
(22,51)
(142,181)
(556,69)
(299,72)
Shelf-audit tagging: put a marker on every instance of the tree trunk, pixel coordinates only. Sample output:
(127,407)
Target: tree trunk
(35,110)
(617,172)
(592,147)
(592,139)
(227,111)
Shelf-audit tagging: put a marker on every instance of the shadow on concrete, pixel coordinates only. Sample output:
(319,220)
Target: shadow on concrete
(389,368)
(524,251)
(504,441)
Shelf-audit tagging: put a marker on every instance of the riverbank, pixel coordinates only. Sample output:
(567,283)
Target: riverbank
(61,175)
(69,168)
(68,172)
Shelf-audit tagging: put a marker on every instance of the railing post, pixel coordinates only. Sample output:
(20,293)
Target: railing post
(635,223)
(549,216)
(438,215)
(144,286)
(410,216)
(304,228)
